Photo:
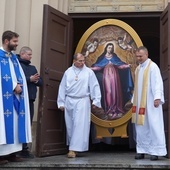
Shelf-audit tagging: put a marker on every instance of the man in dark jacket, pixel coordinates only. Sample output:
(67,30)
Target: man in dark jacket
(33,80)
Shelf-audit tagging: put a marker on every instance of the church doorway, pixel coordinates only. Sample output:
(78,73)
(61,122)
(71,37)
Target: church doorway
(147,26)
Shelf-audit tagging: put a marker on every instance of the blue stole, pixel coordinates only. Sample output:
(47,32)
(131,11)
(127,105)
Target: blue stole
(10,100)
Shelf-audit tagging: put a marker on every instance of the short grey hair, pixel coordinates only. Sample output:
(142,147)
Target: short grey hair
(142,48)
(25,49)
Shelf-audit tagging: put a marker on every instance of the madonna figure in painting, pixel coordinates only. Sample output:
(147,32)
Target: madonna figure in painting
(115,80)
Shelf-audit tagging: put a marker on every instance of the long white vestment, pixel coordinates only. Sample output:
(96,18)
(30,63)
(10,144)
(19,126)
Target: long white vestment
(6,149)
(150,137)
(74,95)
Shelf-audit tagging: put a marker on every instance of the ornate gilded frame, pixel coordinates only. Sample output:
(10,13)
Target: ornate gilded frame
(119,126)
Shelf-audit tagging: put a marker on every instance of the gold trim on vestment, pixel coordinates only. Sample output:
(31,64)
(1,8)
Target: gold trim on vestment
(141,112)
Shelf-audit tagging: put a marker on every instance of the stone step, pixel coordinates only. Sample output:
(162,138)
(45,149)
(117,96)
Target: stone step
(90,161)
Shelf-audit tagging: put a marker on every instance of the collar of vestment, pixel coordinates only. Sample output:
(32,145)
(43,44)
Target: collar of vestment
(144,64)
(7,53)
(77,68)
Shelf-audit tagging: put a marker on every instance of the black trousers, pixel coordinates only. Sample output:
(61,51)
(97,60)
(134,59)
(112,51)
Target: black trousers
(31,105)
(31,110)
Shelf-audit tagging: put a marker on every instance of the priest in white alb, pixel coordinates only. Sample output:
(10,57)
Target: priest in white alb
(79,86)
(15,127)
(147,113)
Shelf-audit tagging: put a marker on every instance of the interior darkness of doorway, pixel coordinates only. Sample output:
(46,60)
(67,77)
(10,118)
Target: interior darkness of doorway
(147,26)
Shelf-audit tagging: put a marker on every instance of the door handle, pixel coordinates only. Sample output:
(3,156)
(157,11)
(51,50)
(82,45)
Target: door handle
(46,70)
(49,85)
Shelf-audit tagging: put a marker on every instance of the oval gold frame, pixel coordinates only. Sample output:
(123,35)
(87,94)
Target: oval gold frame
(131,31)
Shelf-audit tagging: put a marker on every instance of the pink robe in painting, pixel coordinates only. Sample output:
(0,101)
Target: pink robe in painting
(116,83)
(112,90)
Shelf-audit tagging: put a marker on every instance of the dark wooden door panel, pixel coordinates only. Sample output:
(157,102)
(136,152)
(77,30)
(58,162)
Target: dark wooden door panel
(55,59)
(165,68)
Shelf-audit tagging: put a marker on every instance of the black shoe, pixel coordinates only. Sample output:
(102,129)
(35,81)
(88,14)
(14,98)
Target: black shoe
(139,156)
(13,158)
(3,161)
(153,158)
(26,154)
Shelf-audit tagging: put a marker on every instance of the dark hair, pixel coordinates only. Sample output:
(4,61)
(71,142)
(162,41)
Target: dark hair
(9,35)
(95,39)
(105,49)
(120,38)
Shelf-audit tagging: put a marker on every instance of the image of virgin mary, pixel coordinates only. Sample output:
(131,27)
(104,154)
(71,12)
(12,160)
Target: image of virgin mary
(115,81)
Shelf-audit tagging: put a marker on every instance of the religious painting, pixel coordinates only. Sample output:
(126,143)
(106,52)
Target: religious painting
(109,49)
